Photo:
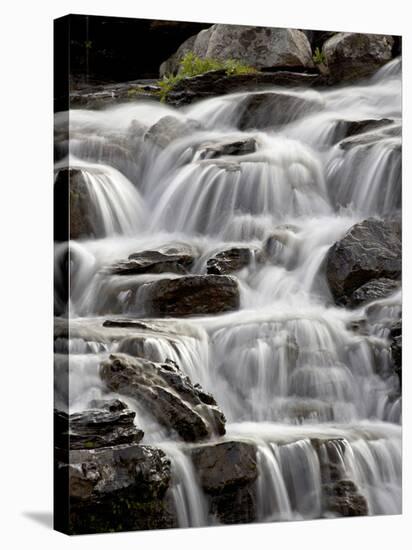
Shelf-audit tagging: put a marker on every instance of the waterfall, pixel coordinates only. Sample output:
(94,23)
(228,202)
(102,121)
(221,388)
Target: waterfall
(292,376)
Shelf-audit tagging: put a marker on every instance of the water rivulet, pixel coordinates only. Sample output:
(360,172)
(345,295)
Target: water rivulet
(202,253)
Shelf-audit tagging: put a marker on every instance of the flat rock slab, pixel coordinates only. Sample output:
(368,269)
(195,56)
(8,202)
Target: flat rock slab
(193,295)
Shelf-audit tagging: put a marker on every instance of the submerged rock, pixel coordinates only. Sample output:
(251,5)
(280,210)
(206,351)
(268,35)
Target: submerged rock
(166,393)
(94,428)
(227,473)
(355,127)
(340,496)
(231,147)
(266,109)
(370,250)
(229,261)
(193,295)
(170,128)
(169,259)
(350,56)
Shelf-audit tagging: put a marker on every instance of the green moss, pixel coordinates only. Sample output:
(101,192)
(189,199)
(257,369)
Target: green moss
(192,65)
(319,57)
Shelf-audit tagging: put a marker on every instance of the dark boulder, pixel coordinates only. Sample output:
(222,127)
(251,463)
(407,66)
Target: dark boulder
(229,261)
(266,109)
(373,290)
(370,250)
(116,489)
(355,127)
(169,259)
(73,203)
(166,393)
(193,295)
(227,473)
(94,428)
(351,56)
(396,348)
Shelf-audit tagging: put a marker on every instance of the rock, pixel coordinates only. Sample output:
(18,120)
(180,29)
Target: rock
(166,393)
(267,109)
(373,290)
(228,261)
(94,428)
(193,295)
(168,129)
(340,495)
(370,250)
(72,199)
(281,246)
(259,47)
(174,259)
(116,489)
(227,473)
(216,150)
(396,348)
(216,83)
(355,127)
(351,56)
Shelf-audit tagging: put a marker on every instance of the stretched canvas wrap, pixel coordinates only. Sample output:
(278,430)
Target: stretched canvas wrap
(227,274)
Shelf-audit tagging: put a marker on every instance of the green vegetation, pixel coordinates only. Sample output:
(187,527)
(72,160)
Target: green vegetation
(319,57)
(192,65)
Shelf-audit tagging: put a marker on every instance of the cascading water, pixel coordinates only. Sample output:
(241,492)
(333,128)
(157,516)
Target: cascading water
(287,369)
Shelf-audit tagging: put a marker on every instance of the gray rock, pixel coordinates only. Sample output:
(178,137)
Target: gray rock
(266,109)
(168,129)
(350,56)
(227,148)
(166,393)
(192,295)
(370,250)
(259,47)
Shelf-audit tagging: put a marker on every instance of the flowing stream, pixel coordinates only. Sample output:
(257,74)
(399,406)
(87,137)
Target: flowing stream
(287,367)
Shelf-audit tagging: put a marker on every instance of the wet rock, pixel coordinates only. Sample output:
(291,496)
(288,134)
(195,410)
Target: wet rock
(344,500)
(259,47)
(280,247)
(94,428)
(350,56)
(168,129)
(238,147)
(355,127)
(370,250)
(373,290)
(72,200)
(341,496)
(227,473)
(116,488)
(372,137)
(229,261)
(174,259)
(193,295)
(216,83)
(396,348)
(266,109)
(164,391)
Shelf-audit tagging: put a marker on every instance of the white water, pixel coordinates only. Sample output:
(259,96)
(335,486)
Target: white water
(286,368)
